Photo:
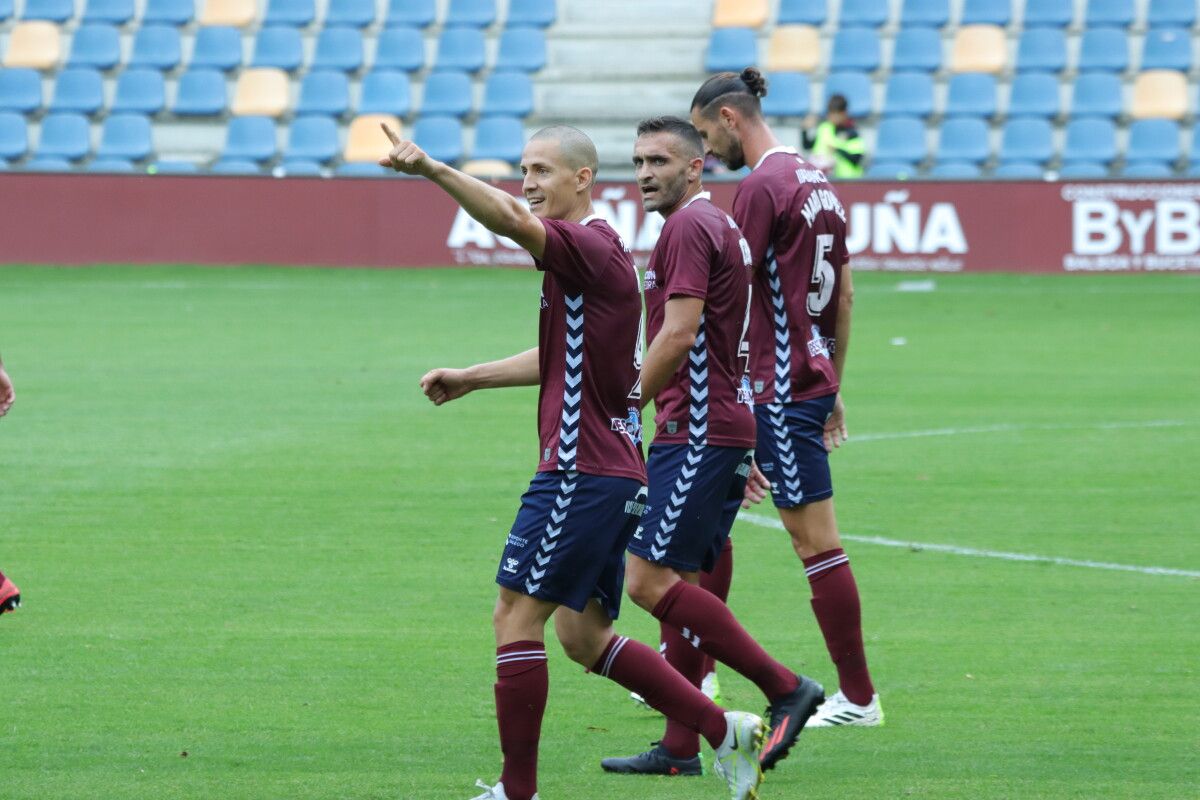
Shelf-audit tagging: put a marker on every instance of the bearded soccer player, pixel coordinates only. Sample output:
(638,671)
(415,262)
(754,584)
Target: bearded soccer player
(10,595)
(564,555)
(799,329)
(697,290)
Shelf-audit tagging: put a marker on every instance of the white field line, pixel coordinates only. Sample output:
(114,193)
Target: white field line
(1016,428)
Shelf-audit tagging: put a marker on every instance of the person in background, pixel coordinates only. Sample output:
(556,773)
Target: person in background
(835,144)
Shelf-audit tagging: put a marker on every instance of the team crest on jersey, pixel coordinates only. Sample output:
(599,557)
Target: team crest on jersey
(649,281)
(631,426)
(744,395)
(818,345)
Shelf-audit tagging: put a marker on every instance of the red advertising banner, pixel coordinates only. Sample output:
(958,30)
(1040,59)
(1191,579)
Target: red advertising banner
(907,227)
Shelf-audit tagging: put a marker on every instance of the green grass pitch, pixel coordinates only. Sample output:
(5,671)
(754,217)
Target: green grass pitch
(258,564)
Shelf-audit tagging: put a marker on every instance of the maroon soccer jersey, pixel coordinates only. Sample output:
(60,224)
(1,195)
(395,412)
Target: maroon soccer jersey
(589,352)
(701,253)
(796,227)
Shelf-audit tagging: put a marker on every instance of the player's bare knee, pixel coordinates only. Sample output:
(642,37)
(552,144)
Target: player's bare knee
(583,646)
(646,583)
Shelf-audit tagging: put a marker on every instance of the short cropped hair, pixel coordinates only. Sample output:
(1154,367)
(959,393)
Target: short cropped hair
(741,91)
(575,146)
(837,102)
(680,128)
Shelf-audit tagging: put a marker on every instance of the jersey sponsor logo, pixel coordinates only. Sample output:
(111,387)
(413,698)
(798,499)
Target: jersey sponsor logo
(631,426)
(818,345)
(649,281)
(744,395)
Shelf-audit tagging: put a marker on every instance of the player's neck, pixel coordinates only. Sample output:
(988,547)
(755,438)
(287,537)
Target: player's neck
(580,212)
(758,139)
(692,190)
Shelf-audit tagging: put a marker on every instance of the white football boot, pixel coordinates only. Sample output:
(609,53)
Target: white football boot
(838,711)
(493,792)
(737,758)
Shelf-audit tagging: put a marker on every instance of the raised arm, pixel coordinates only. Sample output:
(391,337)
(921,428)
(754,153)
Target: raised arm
(443,385)
(670,347)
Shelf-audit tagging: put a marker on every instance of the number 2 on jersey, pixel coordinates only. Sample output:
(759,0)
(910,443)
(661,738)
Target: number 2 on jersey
(823,276)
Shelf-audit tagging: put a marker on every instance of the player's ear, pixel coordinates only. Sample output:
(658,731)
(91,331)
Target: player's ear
(695,169)
(728,116)
(584,178)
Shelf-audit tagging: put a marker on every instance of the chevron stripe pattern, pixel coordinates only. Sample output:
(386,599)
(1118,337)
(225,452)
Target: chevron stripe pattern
(783,339)
(568,433)
(554,529)
(698,373)
(675,503)
(786,465)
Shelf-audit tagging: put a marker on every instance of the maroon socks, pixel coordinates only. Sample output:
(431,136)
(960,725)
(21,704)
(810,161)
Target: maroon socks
(522,683)
(690,662)
(717,582)
(836,605)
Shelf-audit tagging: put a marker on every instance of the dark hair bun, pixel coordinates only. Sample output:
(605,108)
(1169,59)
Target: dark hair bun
(754,81)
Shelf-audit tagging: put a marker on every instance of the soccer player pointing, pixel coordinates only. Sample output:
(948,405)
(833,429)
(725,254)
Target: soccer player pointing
(564,553)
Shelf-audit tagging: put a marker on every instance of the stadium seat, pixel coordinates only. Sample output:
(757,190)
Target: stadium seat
(854,48)
(234,13)
(1082,169)
(917,49)
(440,137)
(111,165)
(486,168)
(48,164)
(802,12)
(891,170)
(261,92)
(987,12)
(790,95)
(932,13)
(350,13)
(1171,12)
(955,169)
(521,48)
(140,91)
(64,136)
(1042,49)
(1018,170)
(907,94)
(35,45)
(1153,140)
(411,13)
(278,47)
(251,138)
(113,12)
(169,12)
(314,138)
(979,48)
(49,10)
(1097,94)
(14,136)
(95,45)
(363,140)
(78,90)
(1104,49)
(301,167)
(1109,12)
(794,48)
(500,138)
(1160,94)
(400,48)
(338,48)
(126,136)
(172,167)
(901,139)
(235,166)
(1048,13)
(855,87)
(447,93)
(1027,139)
(1036,94)
(731,50)
(362,169)
(297,13)
(460,49)
(964,139)
(324,92)
(538,13)
(475,13)
(872,13)
(156,47)
(385,91)
(1091,140)
(1167,48)
(508,94)
(740,13)
(200,93)
(20,90)
(217,47)
(1147,170)
(971,94)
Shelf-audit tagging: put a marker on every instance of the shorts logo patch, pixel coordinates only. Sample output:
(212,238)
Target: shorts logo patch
(638,535)
(510,565)
(516,541)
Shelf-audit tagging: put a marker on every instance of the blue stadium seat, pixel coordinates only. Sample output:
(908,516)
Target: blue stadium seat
(447,93)
(508,94)
(1091,140)
(78,90)
(731,50)
(1147,169)
(1027,139)
(440,137)
(539,13)
(156,47)
(6,10)
(964,139)
(1019,170)
(790,95)
(1153,140)
(298,13)
(907,94)
(169,12)
(971,94)
(955,169)
(1109,12)
(217,47)
(1034,94)
(140,91)
(385,91)
(350,13)
(278,47)
(1048,13)
(803,12)
(115,12)
(301,167)
(917,49)
(934,13)
(873,13)
(126,136)
(53,10)
(460,49)
(1083,169)
(338,48)
(1043,49)
(855,87)
(250,138)
(111,165)
(475,13)
(901,139)
(501,138)
(20,90)
(1097,95)
(853,48)
(48,164)
(235,166)
(200,93)
(362,169)
(64,136)
(987,12)
(400,48)
(96,45)
(411,13)
(890,170)
(1104,49)
(522,48)
(324,92)
(314,138)
(14,136)
(1167,48)
(172,167)
(1172,12)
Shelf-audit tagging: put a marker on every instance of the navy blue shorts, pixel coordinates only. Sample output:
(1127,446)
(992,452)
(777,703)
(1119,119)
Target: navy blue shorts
(791,450)
(695,493)
(568,542)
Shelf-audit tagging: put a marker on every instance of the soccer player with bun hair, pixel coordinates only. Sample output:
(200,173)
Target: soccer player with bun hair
(799,331)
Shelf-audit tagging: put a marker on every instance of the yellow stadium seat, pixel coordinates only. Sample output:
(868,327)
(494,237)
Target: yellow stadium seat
(262,91)
(979,48)
(36,45)
(235,13)
(1160,94)
(488,168)
(794,48)
(366,141)
(740,13)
